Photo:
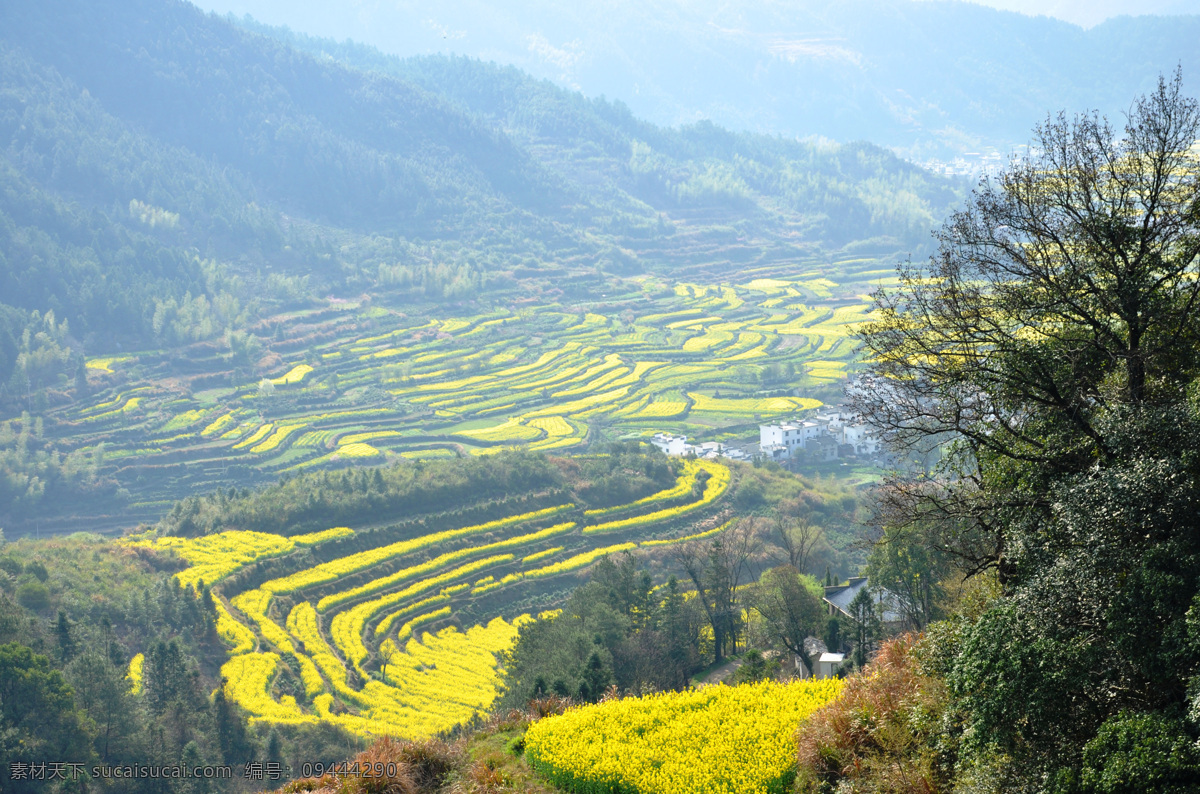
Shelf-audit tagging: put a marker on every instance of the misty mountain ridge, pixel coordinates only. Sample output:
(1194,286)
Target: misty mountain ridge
(924,77)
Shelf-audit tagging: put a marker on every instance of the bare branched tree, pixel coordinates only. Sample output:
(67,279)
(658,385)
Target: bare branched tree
(1066,290)
(789,611)
(797,538)
(717,569)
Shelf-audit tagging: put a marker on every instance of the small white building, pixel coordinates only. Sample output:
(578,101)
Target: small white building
(862,437)
(833,421)
(828,664)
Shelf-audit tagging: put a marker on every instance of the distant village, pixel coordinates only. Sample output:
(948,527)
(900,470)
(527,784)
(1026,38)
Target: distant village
(824,437)
(974,164)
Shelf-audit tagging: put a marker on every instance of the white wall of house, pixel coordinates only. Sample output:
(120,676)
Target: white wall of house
(793,435)
(670,445)
(829,664)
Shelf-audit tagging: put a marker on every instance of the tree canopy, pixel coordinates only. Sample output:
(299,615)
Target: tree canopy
(1064,294)
(1049,359)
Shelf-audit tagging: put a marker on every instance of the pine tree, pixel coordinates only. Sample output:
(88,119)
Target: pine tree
(595,679)
(866,625)
(231,731)
(62,634)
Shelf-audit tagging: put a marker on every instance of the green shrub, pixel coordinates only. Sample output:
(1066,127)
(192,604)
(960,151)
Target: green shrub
(1141,752)
(33,595)
(37,570)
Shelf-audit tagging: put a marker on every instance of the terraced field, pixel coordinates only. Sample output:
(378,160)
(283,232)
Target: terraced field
(373,638)
(348,384)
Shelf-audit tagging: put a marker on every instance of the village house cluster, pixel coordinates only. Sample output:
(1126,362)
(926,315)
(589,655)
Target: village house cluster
(889,609)
(823,437)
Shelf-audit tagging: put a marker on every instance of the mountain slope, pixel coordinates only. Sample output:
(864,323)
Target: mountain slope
(168,177)
(921,75)
(319,139)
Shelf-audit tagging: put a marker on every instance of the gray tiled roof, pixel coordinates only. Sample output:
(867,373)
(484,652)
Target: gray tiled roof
(842,595)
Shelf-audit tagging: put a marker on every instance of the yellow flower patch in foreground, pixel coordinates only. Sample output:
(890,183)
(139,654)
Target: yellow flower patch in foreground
(715,740)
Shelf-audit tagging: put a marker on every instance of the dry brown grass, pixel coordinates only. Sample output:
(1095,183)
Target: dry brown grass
(486,760)
(388,766)
(875,736)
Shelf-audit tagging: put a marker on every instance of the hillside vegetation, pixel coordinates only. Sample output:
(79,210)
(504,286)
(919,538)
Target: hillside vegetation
(1045,368)
(394,256)
(169,177)
(354,360)
(391,619)
(944,77)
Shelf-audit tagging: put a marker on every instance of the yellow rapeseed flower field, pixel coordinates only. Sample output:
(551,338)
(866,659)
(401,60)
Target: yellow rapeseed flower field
(686,538)
(345,566)
(441,561)
(713,740)
(219,426)
(213,557)
(256,437)
(718,481)
(511,430)
(358,450)
(294,375)
(578,561)
(406,630)
(105,364)
(749,406)
(437,680)
(248,680)
(276,438)
(683,486)
(239,638)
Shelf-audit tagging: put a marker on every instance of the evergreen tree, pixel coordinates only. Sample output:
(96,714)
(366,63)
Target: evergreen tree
(63,638)
(232,738)
(102,694)
(833,634)
(274,747)
(595,679)
(165,676)
(866,625)
(36,705)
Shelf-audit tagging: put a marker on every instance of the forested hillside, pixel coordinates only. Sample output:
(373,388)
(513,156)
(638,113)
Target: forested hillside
(168,177)
(359,375)
(938,77)
(310,634)
(841,193)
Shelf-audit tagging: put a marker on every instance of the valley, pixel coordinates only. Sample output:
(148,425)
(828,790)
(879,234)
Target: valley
(356,383)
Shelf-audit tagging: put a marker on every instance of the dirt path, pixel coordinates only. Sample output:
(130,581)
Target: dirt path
(722,673)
